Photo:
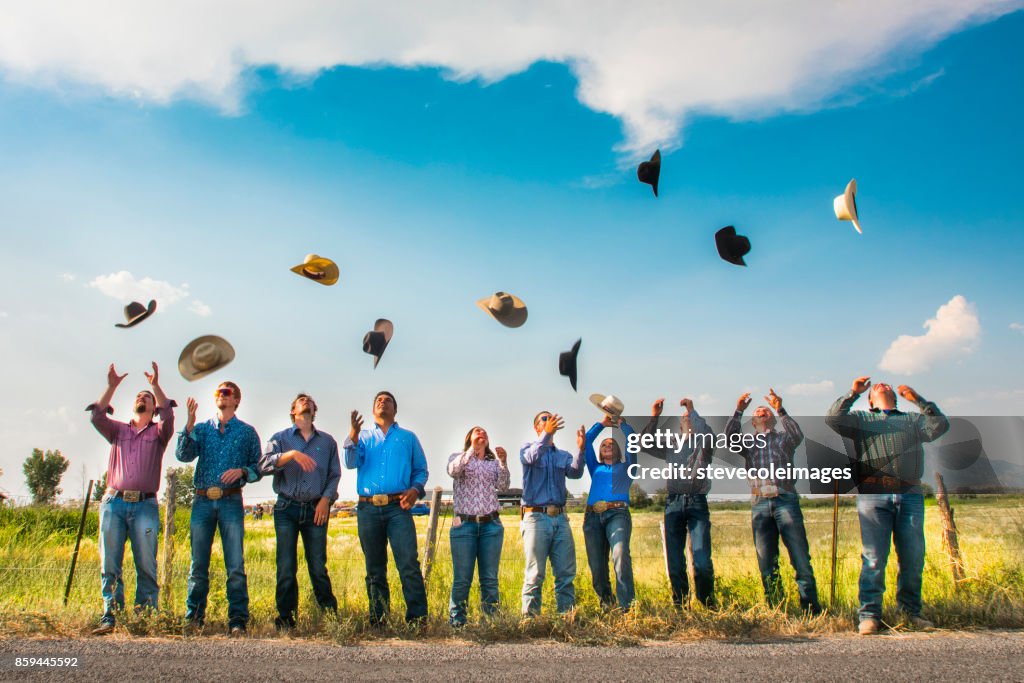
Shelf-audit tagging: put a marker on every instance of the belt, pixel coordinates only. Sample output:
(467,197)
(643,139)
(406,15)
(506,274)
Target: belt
(480,519)
(216,492)
(549,510)
(130,496)
(602,505)
(887,482)
(381,499)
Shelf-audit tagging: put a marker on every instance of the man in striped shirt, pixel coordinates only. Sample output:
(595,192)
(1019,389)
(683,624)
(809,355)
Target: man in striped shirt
(306,469)
(890,504)
(775,512)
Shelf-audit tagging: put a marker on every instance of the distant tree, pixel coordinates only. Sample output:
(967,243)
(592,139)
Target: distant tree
(99,488)
(638,498)
(43,472)
(660,498)
(183,491)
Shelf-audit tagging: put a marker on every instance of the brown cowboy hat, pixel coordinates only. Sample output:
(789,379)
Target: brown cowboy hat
(318,269)
(204,355)
(507,309)
(135,313)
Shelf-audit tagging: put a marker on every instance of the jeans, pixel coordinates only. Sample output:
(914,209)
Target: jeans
(772,518)
(379,526)
(547,537)
(605,532)
(292,518)
(473,543)
(901,518)
(689,513)
(207,517)
(138,522)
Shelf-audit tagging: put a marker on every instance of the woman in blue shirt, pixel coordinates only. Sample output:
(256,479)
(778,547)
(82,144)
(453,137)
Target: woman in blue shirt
(607,525)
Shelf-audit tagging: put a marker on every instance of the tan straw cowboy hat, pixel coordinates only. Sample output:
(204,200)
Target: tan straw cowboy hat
(204,355)
(507,309)
(318,269)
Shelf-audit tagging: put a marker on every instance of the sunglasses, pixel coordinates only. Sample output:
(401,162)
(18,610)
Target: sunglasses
(223,391)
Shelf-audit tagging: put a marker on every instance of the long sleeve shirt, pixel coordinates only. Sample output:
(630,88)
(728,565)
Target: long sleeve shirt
(545,469)
(136,455)
(476,482)
(696,453)
(887,444)
(237,447)
(290,480)
(778,449)
(387,463)
(609,483)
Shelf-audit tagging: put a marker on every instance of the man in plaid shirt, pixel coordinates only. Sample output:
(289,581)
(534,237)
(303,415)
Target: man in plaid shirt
(890,504)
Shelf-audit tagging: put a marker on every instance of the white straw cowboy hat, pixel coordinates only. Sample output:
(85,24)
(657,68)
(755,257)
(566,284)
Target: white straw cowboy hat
(845,205)
(204,355)
(507,309)
(610,405)
(318,269)
(135,313)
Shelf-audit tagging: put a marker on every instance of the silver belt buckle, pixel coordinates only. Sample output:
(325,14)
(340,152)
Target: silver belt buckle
(553,510)
(131,496)
(380,499)
(600,506)
(214,493)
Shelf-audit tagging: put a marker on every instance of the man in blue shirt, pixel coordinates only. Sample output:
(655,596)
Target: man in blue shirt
(545,527)
(391,473)
(306,469)
(228,452)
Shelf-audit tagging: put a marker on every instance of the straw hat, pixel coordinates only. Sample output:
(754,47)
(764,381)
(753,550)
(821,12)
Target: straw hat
(204,355)
(845,205)
(507,309)
(318,269)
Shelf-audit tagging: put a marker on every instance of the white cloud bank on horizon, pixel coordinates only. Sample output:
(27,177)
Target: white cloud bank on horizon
(954,331)
(125,287)
(650,64)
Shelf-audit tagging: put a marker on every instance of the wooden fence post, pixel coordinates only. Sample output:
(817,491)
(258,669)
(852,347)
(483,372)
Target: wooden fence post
(428,553)
(949,536)
(664,550)
(167,572)
(78,542)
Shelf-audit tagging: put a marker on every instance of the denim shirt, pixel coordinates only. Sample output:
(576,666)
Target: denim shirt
(545,469)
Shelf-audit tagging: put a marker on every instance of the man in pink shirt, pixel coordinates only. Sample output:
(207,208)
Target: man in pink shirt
(129,508)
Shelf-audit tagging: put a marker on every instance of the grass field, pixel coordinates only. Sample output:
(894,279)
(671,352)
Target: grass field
(37,546)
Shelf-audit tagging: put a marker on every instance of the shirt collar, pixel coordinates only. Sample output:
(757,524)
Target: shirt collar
(295,430)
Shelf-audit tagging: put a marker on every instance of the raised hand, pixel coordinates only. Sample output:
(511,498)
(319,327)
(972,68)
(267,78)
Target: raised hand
(744,402)
(609,421)
(687,403)
(502,454)
(113,379)
(657,407)
(861,384)
(553,424)
(581,437)
(357,424)
(192,407)
(154,377)
(908,393)
(773,400)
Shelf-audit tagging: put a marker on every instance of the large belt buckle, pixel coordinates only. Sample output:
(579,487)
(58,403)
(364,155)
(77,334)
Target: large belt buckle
(600,506)
(553,510)
(131,496)
(769,491)
(380,499)
(214,493)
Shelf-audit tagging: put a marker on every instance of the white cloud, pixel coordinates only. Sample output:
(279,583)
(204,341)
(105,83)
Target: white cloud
(123,286)
(1018,327)
(200,309)
(4,314)
(825,386)
(650,63)
(67,277)
(954,331)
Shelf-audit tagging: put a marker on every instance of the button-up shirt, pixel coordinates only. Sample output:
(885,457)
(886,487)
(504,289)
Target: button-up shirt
(291,481)
(545,469)
(609,483)
(476,482)
(695,454)
(887,444)
(778,449)
(136,455)
(387,463)
(237,447)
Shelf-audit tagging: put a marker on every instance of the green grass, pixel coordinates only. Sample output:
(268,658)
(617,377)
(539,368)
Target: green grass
(37,546)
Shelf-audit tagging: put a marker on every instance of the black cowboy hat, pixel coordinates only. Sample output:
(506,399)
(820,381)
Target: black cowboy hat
(377,339)
(567,363)
(135,313)
(732,247)
(649,171)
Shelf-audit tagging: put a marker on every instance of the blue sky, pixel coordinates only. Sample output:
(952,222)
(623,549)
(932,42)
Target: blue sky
(434,184)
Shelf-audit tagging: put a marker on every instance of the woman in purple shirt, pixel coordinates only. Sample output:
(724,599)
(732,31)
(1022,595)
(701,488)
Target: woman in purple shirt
(477,534)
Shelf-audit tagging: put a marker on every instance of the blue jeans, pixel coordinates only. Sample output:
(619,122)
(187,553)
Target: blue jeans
(689,513)
(772,518)
(899,517)
(605,532)
(228,515)
(292,519)
(547,537)
(138,522)
(473,543)
(379,526)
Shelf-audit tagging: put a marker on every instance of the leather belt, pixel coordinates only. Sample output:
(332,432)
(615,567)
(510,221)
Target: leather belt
(381,499)
(480,519)
(130,496)
(216,492)
(549,510)
(602,505)
(887,482)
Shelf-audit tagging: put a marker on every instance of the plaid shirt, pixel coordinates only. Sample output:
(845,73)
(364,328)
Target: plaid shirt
(887,444)
(691,456)
(779,448)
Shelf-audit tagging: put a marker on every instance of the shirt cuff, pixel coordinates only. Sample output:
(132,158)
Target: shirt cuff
(93,407)
(251,474)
